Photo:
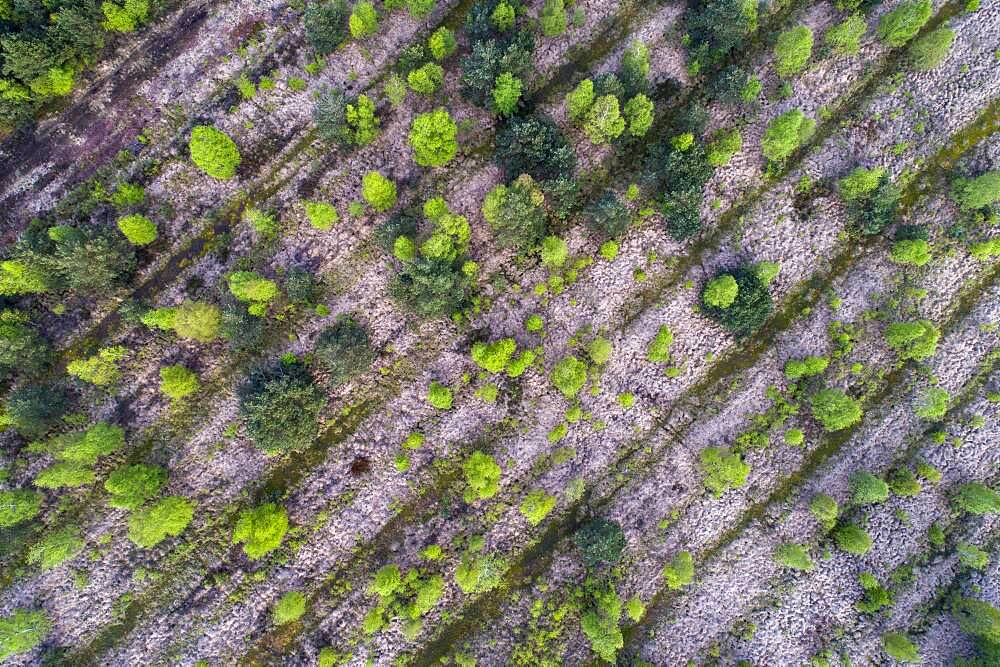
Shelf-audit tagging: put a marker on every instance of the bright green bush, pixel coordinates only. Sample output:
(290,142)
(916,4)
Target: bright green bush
(825,509)
(932,404)
(131,486)
(860,182)
(280,406)
(796,369)
(56,548)
(289,608)
(978,618)
(439,396)
(785,134)
(87,446)
(138,229)
(600,624)
(150,525)
(536,506)
(580,99)
(432,137)
(250,287)
(930,50)
(506,93)
(64,475)
(569,376)
(913,340)
(867,489)
(363,20)
(321,215)
(426,79)
(520,364)
(442,43)
(725,144)
(915,252)
(599,350)
(724,470)
(197,320)
(638,113)
(178,382)
(971,556)
(845,37)
(977,498)
(214,152)
(659,348)
(482,474)
(973,193)
(900,648)
(553,18)
(852,539)
(604,122)
(720,291)
(795,557)
(362,121)
(793,50)
(680,571)
(876,596)
(21,631)
(601,542)
(378,191)
(100,369)
(903,23)
(494,357)
(554,252)
(261,529)
(18,506)
(476,575)
(835,410)
(125,17)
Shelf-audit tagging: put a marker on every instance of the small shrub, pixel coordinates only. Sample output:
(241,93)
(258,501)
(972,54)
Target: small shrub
(903,23)
(536,506)
(439,396)
(867,489)
(426,79)
(280,406)
(974,193)
(825,509)
(554,252)
(363,20)
(977,498)
(178,382)
(835,410)
(795,557)
(261,529)
(978,618)
(432,137)
(796,369)
(494,357)
(853,540)
(904,483)
(659,348)
(913,340)
(721,291)
(321,215)
(599,350)
(725,144)
(125,17)
(131,486)
(971,556)
(378,191)
(64,475)
(900,648)
(289,608)
(100,369)
(845,37)
(601,543)
(915,252)
(56,548)
(876,596)
(860,182)
(442,43)
(138,229)
(932,404)
(22,630)
(506,93)
(569,376)
(149,526)
(482,474)
(785,134)
(214,152)
(18,506)
(793,50)
(197,320)
(750,307)
(553,18)
(930,50)
(723,469)
(250,287)
(680,571)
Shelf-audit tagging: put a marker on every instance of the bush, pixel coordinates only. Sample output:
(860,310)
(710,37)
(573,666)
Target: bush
(723,470)
(971,556)
(973,193)
(214,152)
(86,447)
(261,529)
(432,137)
(867,489)
(720,291)
(725,144)
(480,574)
(845,37)
(321,215)
(138,229)
(149,526)
(932,404)
(489,58)
(877,210)
(289,608)
(825,509)
(796,369)
(853,540)
(634,71)
(903,23)
(904,483)
(600,350)
(978,618)
(442,43)
(280,406)
(554,252)
(603,121)
(378,191)
(659,348)
(426,79)
(362,121)
(22,349)
(197,320)
(18,506)
(835,410)
(680,571)
(785,134)
(638,113)
(898,647)
(535,146)
(860,182)
(793,50)
(977,498)
(482,474)
(131,486)
(22,631)
(749,310)
(34,409)
(363,20)
(64,475)
(100,369)
(913,340)
(580,99)
(916,252)
(439,396)
(56,548)
(506,93)
(930,50)
(876,596)
(608,216)
(536,506)
(569,376)
(795,557)
(601,543)
(600,624)
(325,24)
(249,287)
(178,382)
(516,213)
(430,287)
(553,18)
(493,357)
(344,349)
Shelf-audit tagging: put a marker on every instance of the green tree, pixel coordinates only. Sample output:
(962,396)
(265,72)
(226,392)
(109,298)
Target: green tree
(580,99)
(482,475)
(22,349)
(852,539)
(834,409)
(796,369)
(785,134)
(978,618)
(534,146)
(845,37)
(506,93)
(261,529)
(554,252)
(723,470)
(18,506)
(720,291)
(21,631)
(516,213)
(913,340)
(325,24)
(362,122)
(214,152)
(197,320)
(250,287)
(860,182)
(638,113)
(64,475)
(569,376)
(363,20)
(749,310)
(125,17)
(601,542)
(280,406)
(604,121)
(900,648)
(725,144)
(867,489)
(131,486)
(930,50)
(553,18)
(378,191)
(903,23)
(343,349)
(138,229)
(536,506)
(932,404)
(150,525)
(493,357)
(432,137)
(34,409)
(321,215)
(600,624)
(100,369)
(178,382)
(915,252)
(793,50)
(825,509)
(442,43)
(426,79)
